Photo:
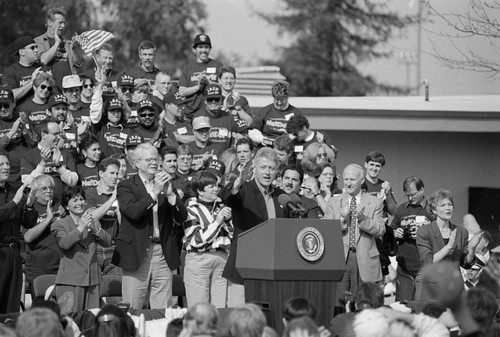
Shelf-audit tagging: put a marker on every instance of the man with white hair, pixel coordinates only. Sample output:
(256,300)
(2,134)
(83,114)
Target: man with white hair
(147,249)
(361,218)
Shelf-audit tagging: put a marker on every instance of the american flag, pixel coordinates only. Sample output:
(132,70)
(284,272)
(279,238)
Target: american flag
(93,40)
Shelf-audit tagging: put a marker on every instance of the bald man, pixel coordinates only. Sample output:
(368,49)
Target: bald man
(361,218)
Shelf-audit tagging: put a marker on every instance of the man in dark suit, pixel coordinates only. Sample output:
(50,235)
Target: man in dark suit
(252,202)
(146,247)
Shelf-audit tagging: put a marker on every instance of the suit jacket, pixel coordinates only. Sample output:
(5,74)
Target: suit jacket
(367,230)
(78,266)
(249,210)
(136,231)
(429,242)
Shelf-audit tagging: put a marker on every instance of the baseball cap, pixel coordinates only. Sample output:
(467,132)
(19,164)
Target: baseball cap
(58,99)
(212,90)
(201,122)
(22,42)
(202,39)
(71,81)
(216,166)
(173,98)
(146,104)
(114,103)
(6,96)
(239,125)
(134,140)
(126,81)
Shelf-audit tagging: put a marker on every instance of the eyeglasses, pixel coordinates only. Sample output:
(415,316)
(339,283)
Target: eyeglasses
(47,188)
(32,47)
(125,89)
(152,114)
(86,86)
(321,155)
(43,87)
(152,160)
(213,100)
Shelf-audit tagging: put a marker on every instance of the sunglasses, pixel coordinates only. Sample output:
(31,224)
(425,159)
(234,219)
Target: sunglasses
(88,86)
(125,89)
(213,100)
(321,155)
(43,87)
(147,115)
(4,105)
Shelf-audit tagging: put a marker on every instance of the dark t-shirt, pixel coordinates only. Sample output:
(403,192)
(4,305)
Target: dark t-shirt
(198,152)
(109,220)
(222,127)
(38,114)
(406,217)
(88,177)
(189,72)
(15,76)
(272,122)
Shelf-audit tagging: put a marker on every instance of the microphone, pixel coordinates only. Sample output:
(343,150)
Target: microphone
(287,202)
(296,200)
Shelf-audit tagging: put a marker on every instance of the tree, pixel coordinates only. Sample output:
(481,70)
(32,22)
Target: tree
(480,20)
(171,24)
(332,37)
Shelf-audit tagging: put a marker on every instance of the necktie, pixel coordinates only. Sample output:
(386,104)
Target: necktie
(352,223)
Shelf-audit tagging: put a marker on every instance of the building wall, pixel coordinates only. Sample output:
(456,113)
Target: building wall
(453,161)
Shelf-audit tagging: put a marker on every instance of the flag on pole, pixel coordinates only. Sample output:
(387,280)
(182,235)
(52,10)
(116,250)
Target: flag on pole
(93,40)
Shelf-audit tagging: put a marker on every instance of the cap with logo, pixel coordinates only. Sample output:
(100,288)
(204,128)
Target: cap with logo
(212,91)
(58,99)
(173,98)
(201,122)
(126,81)
(146,104)
(134,140)
(71,81)
(216,166)
(6,96)
(114,103)
(239,125)
(202,39)
(22,42)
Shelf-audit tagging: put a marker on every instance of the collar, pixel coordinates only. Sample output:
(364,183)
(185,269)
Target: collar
(422,204)
(109,125)
(100,190)
(263,190)
(358,198)
(145,181)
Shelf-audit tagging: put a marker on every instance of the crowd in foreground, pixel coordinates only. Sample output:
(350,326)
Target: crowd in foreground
(106,172)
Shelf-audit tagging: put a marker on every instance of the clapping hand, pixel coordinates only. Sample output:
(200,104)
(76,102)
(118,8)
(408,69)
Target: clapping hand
(161,178)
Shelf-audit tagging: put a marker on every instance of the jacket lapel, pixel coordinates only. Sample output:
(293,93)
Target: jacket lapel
(141,193)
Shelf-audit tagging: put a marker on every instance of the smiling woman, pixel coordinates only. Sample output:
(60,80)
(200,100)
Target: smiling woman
(442,241)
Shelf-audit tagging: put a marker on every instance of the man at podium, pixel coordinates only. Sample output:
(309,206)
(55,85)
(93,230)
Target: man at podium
(361,217)
(252,202)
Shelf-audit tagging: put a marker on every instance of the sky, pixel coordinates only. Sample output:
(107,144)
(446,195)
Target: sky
(236,31)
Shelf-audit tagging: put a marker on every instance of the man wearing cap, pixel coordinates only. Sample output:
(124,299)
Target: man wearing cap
(146,67)
(221,121)
(176,129)
(271,121)
(147,121)
(58,108)
(72,90)
(19,76)
(203,148)
(196,75)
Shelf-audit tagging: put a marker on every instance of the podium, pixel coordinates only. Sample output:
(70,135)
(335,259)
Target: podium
(284,258)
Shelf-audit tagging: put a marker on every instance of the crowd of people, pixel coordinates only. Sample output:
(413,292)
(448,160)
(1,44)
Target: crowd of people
(125,172)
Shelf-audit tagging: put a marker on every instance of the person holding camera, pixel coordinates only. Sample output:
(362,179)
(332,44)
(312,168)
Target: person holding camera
(408,217)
